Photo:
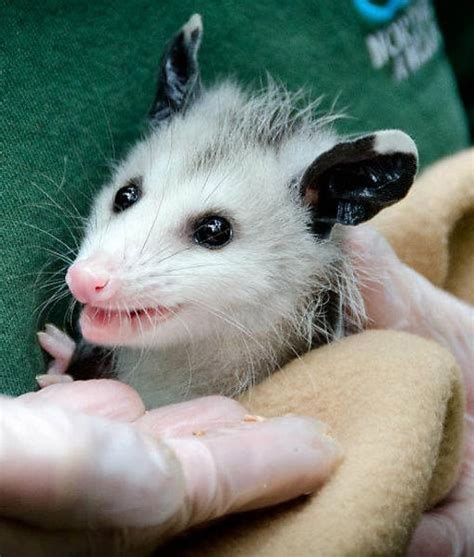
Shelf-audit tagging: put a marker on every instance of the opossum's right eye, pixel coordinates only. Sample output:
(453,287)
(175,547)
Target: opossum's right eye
(127,196)
(212,232)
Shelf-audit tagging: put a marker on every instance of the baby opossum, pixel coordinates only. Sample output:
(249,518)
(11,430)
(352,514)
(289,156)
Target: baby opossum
(211,257)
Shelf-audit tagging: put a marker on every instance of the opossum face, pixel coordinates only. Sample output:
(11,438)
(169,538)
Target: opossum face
(178,245)
(220,219)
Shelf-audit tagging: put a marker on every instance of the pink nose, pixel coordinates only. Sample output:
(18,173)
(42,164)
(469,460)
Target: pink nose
(91,281)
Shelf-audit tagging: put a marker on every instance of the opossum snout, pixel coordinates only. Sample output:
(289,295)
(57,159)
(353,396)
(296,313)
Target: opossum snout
(91,281)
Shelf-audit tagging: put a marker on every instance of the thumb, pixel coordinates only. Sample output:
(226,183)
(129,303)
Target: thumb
(63,469)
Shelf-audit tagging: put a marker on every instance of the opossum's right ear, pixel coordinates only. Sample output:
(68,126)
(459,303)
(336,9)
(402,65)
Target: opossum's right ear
(178,78)
(354,180)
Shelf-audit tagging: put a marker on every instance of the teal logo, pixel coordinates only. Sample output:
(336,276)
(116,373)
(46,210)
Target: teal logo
(379,12)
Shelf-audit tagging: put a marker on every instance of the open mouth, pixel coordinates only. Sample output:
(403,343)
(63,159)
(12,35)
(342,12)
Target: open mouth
(104,324)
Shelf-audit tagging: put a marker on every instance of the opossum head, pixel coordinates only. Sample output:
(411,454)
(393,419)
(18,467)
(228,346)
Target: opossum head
(220,220)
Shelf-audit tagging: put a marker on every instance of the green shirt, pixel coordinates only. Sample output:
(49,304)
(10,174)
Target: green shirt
(78,78)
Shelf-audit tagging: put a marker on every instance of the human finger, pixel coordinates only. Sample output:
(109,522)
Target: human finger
(253,465)
(97,397)
(445,533)
(192,417)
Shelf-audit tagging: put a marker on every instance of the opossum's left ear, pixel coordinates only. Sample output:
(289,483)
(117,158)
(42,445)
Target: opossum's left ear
(354,180)
(178,78)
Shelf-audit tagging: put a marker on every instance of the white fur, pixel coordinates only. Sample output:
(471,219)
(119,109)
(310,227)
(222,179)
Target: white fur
(251,306)
(194,23)
(391,141)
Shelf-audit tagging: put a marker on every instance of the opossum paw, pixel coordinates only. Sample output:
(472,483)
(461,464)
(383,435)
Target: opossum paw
(59,346)
(52,379)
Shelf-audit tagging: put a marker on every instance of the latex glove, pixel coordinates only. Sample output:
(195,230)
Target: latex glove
(86,471)
(397,297)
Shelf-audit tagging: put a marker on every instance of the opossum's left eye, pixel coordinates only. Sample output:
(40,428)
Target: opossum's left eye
(212,232)
(128,195)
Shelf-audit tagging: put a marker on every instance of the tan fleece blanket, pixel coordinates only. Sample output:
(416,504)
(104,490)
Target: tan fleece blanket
(393,400)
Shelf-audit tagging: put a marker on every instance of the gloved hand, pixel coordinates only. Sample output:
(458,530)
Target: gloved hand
(86,471)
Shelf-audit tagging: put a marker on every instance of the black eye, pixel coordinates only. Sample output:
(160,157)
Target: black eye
(128,195)
(212,232)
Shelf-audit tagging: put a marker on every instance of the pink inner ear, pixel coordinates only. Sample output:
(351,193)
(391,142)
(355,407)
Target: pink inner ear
(311,196)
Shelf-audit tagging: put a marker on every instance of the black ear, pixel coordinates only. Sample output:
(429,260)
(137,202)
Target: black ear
(354,180)
(178,78)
